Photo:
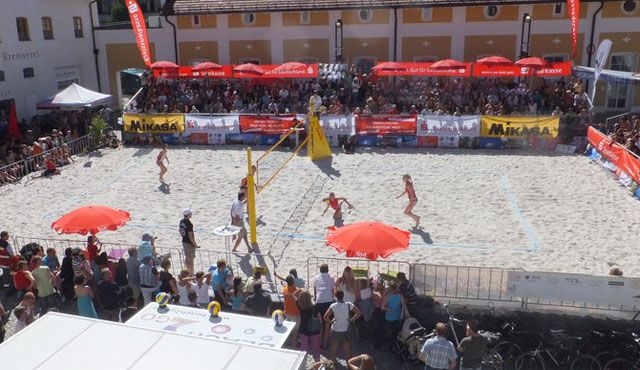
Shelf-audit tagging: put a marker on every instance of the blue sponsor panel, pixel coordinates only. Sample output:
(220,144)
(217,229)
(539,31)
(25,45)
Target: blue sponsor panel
(268,139)
(491,143)
(517,143)
(469,142)
(367,140)
(409,141)
(235,138)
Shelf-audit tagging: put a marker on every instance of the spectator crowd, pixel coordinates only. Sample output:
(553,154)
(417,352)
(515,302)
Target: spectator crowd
(365,94)
(626,133)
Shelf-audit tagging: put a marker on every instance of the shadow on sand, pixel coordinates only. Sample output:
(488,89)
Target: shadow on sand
(422,233)
(326,166)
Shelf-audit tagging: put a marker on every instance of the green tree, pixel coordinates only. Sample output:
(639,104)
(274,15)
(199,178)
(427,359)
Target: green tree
(96,130)
(119,13)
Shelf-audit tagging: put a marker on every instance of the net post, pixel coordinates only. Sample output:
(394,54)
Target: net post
(251,201)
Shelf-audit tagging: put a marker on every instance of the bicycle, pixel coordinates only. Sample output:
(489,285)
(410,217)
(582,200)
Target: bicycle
(558,354)
(513,343)
(632,361)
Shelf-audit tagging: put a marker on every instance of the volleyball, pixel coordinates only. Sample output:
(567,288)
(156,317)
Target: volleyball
(214,308)
(162,299)
(278,317)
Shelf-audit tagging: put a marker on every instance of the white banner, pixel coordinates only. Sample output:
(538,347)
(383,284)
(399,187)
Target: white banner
(212,124)
(198,323)
(602,55)
(335,126)
(612,291)
(449,126)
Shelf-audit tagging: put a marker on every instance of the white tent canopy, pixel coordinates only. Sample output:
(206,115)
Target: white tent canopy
(76,96)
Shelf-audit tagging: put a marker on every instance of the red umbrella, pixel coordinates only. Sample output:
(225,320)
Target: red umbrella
(206,66)
(494,60)
(91,219)
(164,65)
(249,68)
(532,62)
(389,66)
(447,64)
(290,66)
(368,239)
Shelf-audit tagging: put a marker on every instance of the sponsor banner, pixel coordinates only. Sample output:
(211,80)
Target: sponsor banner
(386,125)
(212,124)
(140,30)
(602,55)
(485,70)
(269,125)
(615,153)
(448,126)
(491,143)
(337,125)
(424,69)
(310,71)
(574,18)
(188,72)
(519,127)
(603,291)
(427,141)
(367,140)
(448,141)
(154,124)
(555,69)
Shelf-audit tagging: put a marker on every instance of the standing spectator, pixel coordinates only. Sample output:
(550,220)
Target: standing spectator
(310,325)
(67,276)
(81,266)
(94,247)
(323,292)
(365,305)
(347,283)
(21,318)
(393,306)
(409,293)
(291,310)
(121,273)
(219,276)
(47,296)
(149,279)
(147,246)
(472,348)
(299,282)
(167,281)
(133,274)
(51,260)
(237,219)
(84,296)
(340,318)
(188,239)
(438,353)
(6,255)
(108,293)
(23,280)
(258,303)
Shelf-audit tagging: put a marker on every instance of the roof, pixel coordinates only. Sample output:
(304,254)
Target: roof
(186,7)
(105,345)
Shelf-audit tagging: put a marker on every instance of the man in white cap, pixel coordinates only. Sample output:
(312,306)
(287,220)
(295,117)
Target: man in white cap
(188,240)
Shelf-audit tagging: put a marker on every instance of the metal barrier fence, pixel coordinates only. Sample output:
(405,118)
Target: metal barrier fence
(35,163)
(362,268)
(462,282)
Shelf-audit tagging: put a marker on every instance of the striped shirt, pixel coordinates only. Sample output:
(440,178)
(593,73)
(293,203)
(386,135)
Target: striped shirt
(148,276)
(439,352)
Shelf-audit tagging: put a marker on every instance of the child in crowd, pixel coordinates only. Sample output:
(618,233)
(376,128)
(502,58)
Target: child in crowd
(236,298)
(51,260)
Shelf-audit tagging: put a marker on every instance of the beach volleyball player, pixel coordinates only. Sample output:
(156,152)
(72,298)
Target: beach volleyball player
(162,156)
(336,204)
(413,199)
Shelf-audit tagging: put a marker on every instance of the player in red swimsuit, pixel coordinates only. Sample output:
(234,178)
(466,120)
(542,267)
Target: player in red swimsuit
(413,199)
(336,204)
(160,161)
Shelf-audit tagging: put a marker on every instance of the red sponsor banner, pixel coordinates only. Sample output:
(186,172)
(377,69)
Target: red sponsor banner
(574,18)
(615,153)
(140,30)
(267,125)
(424,69)
(386,125)
(552,70)
(427,141)
(310,71)
(188,72)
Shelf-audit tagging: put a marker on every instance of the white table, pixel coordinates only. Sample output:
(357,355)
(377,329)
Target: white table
(227,231)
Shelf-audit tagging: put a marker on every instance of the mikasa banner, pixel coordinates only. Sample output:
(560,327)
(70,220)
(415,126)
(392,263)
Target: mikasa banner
(140,30)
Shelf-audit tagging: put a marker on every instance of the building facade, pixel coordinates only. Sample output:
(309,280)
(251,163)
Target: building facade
(44,47)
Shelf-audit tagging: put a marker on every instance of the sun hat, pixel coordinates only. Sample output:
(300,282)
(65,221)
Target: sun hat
(187,211)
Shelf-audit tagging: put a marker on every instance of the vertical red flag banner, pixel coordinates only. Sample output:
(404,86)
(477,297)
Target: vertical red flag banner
(13,122)
(140,30)
(574,18)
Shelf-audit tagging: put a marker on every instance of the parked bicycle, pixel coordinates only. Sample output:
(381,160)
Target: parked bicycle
(631,360)
(557,350)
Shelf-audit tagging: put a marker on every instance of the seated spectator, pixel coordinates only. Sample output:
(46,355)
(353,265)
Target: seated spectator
(192,298)
(256,278)
(237,296)
(218,275)
(21,319)
(201,288)
(51,166)
(184,288)
(349,145)
(258,303)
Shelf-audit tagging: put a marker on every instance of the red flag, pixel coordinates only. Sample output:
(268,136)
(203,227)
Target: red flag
(13,122)
(574,18)
(140,30)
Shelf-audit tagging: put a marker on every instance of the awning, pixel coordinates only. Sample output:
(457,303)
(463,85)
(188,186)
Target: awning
(587,73)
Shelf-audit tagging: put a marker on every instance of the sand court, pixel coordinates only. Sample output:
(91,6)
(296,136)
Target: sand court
(479,208)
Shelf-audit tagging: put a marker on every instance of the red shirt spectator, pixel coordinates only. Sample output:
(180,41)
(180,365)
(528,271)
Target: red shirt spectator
(92,248)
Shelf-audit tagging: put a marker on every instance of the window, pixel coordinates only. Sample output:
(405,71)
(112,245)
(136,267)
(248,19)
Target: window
(426,14)
(307,60)
(1,76)
(425,59)
(250,60)
(364,64)
(195,21)
(249,18)
(23,29)
(629,7)
(365,15)
(27,72)
(47,28)
(491,11)
(553,58)
(619,95)
(77,27)
(305,17)
(558,10)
